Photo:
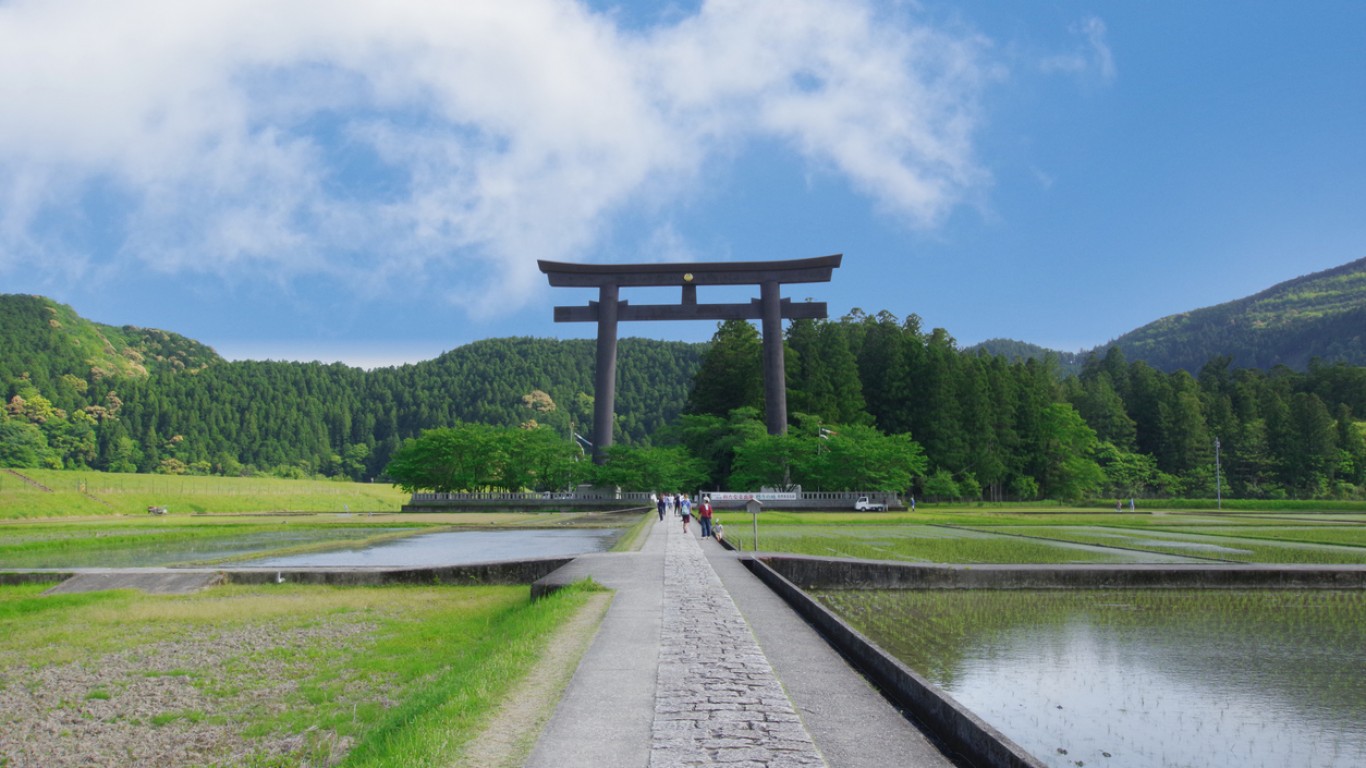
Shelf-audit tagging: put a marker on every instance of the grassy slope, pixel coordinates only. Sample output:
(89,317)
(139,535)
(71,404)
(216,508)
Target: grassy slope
(90,493)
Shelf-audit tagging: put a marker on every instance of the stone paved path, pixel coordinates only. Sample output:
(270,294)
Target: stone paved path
(676,678)
(717,699)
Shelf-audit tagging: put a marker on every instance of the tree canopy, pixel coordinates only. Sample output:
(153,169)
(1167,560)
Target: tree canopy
(876,403)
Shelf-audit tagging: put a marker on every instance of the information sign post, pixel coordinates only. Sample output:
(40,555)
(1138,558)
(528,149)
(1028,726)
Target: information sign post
(754,505)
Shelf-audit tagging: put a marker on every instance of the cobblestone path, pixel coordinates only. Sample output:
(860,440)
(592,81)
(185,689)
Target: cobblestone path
(718,701)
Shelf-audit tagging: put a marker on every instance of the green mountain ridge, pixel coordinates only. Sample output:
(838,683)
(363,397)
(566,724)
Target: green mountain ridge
(1068,362)
(84,395)
(1317,316)
(130,398)
(45,338)
(1320,315)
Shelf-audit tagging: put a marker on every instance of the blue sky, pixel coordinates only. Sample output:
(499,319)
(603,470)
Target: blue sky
(373,182)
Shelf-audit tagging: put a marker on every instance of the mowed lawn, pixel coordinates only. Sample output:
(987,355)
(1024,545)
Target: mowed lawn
(968,535)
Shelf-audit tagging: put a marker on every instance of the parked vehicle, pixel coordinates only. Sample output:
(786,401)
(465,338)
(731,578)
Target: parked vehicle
(866,504)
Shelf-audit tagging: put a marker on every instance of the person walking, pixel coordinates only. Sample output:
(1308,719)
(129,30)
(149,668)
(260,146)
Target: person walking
(685,509)
(704,516)
(659,503)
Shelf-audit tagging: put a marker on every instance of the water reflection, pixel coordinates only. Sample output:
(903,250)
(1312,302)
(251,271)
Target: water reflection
(1143,677)
(457,548)
(163,550)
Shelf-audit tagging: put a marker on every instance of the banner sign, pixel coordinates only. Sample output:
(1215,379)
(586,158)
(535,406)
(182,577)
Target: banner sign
(764,496)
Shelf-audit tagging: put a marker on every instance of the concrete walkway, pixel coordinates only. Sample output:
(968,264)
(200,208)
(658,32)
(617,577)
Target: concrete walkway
(698,663)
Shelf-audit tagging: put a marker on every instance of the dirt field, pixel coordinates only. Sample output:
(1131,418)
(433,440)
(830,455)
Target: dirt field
(142,708)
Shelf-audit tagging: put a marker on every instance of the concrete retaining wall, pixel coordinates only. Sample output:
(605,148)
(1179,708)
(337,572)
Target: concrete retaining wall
(974,739)
(965,733)
(838,573)
(9,578)
(519,572)
(550,584)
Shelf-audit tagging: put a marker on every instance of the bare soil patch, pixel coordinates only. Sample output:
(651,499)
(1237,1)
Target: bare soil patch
(182,703)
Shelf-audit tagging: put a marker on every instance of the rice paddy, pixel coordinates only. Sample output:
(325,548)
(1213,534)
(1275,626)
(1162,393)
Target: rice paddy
(1226,544)
(1050,537)
(181,540)
(1141,677)
(276,676)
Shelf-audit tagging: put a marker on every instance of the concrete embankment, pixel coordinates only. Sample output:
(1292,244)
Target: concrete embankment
(964,733)
(182,580)
(513,572)
(838,573)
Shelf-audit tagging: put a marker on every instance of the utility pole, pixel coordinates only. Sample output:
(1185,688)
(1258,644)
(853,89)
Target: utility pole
(1218,486)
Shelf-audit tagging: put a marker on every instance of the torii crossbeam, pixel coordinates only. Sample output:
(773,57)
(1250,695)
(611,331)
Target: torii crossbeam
(770,309)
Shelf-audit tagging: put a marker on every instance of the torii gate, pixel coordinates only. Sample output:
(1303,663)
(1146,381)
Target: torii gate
(770,308)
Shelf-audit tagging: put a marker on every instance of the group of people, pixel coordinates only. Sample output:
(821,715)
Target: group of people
(679,504)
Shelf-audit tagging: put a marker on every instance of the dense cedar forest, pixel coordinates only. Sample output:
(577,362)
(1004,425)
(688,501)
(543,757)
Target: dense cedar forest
(82,394)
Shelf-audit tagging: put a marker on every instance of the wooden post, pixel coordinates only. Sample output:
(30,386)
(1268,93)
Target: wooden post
(605,373)
(775,376)
(754,505)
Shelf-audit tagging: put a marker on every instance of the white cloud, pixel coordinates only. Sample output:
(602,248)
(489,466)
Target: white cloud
(397,142)
(1093,55)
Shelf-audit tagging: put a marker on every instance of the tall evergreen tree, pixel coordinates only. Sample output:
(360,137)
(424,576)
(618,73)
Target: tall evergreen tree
(731,373)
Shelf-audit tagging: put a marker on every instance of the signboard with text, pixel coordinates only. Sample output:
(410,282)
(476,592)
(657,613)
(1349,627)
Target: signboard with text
(764,496)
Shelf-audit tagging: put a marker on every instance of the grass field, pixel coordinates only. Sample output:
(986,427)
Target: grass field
(262,676)
(1051,535)
(63,493)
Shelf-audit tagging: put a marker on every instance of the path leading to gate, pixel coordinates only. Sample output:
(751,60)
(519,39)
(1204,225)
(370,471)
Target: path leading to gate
(698,663)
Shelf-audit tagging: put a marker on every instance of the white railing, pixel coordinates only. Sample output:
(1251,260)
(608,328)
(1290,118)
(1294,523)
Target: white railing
(534,496)
(769,497)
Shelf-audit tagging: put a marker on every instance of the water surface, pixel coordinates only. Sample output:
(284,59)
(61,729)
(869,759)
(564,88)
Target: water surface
(1236,679)
(129,550)
(457,548)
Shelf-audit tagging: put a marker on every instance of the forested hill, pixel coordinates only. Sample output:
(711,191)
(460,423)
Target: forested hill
(1067,362)
(132,399)
(48,340)
(122,400)
(1322,315)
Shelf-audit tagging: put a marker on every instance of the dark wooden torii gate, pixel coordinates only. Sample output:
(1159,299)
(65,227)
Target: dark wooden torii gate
(770,309)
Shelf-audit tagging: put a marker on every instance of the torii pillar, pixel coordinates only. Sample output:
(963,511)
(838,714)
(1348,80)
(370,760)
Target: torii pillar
(770,309)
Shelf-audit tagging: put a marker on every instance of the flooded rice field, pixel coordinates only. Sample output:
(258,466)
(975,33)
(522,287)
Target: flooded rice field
(456,548)
(1324,545)
(940,544)
(1141,677)
(154,547)
(292,545)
